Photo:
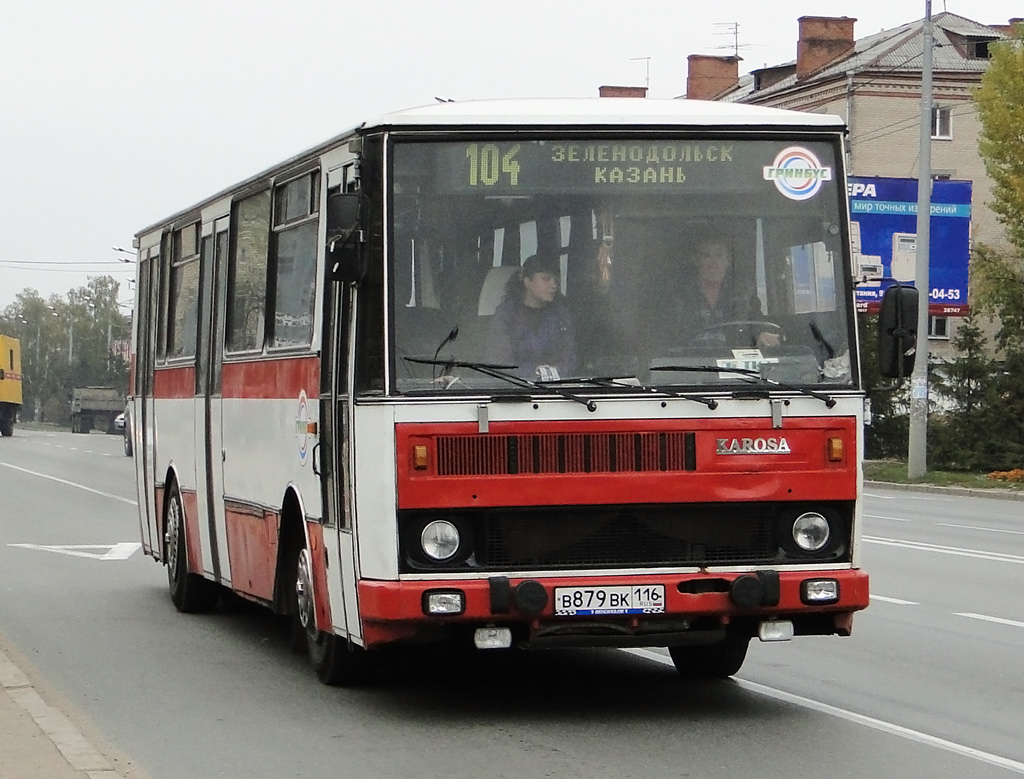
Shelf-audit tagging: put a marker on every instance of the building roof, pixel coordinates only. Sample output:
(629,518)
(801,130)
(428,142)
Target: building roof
(890,51)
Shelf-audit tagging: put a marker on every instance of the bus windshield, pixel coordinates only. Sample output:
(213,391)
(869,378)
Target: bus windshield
(516,261)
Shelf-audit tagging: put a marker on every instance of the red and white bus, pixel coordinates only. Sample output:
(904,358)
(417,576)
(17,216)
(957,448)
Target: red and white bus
(321,425)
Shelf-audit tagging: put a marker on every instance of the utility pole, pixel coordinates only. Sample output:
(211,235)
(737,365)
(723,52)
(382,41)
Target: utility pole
(917,454)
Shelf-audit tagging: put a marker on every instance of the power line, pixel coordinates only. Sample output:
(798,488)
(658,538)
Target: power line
(67,263)
(77,269)
(900,126)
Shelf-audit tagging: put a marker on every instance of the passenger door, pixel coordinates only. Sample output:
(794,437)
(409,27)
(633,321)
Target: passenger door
(209,363)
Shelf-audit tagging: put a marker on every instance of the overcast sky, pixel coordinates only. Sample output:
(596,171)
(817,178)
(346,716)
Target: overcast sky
(117,113)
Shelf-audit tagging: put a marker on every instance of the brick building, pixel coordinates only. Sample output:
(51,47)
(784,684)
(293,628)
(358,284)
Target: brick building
(875,84)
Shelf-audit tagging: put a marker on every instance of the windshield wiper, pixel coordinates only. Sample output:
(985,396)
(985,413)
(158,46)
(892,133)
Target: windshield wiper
(501,372)
(828,400)
(617,381)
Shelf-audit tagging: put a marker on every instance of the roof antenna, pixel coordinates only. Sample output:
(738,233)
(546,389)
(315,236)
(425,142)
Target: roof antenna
(443,99)
(648,60)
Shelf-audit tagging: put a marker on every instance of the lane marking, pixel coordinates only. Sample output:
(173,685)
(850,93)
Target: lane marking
(897,601)
(121,551)
(986,529)
(129,501)
(892,519)
(998,620)
(860,719)
(950,550)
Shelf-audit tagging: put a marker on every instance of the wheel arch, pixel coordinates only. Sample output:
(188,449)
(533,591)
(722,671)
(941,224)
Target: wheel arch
(171,483)
(292,536)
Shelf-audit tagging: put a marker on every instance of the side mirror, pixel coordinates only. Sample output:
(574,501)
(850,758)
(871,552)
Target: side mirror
(897,331)
(344,255)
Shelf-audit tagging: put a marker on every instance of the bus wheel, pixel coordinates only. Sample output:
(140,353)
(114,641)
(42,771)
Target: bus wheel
(715,661)
(336,661)
(190,593)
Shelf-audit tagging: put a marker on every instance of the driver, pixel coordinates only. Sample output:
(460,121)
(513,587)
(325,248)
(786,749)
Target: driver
(712,299)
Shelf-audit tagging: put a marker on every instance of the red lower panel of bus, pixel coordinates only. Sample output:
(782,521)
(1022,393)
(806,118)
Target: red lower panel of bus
(392,611)
(190,505)
(318,558)
(252,535)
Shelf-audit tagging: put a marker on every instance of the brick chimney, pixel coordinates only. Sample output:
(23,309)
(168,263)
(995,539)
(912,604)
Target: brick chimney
(823,39)
(622,91)
(707,76)
(1007,29)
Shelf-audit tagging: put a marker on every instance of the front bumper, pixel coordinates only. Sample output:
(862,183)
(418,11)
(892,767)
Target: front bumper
(700,604)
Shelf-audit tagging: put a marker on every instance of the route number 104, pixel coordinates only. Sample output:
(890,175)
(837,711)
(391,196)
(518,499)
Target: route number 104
(487,164)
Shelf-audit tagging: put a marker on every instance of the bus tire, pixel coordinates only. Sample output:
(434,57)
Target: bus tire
(190,593)
(713,661)
(337,661)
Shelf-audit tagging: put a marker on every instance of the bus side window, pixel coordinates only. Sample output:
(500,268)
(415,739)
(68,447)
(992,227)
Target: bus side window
(247,274)
(296,207)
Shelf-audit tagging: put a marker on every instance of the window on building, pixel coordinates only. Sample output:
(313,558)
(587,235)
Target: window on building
(938,327)
(978,48)
(942,122)
(296,205)
(247,274)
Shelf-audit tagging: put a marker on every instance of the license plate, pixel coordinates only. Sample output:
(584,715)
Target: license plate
(623,599)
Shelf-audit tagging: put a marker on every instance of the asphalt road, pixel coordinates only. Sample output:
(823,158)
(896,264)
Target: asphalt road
(929,685)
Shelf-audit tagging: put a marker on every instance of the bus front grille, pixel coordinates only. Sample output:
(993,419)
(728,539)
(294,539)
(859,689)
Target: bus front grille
(508,455)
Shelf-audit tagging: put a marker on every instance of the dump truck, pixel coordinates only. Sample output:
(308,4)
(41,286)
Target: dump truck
(10,383)
(95,407)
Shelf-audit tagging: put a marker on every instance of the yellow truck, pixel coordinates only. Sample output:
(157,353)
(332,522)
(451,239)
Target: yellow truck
(10,383)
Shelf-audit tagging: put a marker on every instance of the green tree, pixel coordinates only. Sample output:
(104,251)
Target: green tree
(997,289)
(959,437)
(1000,103)
(983,428)
(66,343)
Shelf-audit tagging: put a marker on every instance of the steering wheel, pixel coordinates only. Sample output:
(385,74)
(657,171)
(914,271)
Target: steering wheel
(740,331)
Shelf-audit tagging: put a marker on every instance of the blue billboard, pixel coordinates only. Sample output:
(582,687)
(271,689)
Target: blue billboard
(883,215)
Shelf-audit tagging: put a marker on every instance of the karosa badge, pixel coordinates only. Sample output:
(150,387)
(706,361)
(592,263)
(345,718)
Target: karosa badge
(752,446)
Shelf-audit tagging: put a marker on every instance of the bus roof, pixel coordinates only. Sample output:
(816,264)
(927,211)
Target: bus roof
(585,112)
(600,111)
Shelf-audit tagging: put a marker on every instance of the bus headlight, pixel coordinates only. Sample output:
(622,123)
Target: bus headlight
(811,531)
(439,540)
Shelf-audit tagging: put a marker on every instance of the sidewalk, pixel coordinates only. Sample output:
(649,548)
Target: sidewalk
(995,493)
(38,741)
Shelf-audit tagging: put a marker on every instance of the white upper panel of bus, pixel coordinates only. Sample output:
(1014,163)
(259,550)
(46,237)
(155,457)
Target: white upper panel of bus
(603,111)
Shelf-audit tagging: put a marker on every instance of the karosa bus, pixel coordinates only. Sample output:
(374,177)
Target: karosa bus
(319,427)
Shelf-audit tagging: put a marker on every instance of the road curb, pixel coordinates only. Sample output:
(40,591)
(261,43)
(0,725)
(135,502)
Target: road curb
(938,490)
(61,732)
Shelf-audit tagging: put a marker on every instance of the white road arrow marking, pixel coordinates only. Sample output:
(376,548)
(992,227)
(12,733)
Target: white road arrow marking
(120,551)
